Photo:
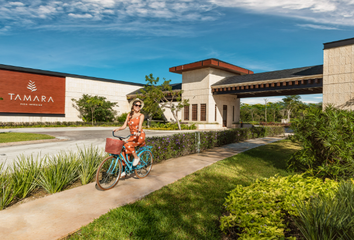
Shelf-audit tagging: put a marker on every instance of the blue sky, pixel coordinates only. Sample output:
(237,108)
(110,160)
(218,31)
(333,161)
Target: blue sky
(126,40)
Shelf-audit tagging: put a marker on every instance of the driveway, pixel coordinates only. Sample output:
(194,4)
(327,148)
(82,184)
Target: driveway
(72,138)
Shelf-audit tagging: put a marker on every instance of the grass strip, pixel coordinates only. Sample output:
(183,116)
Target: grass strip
(6,137)
(191,207)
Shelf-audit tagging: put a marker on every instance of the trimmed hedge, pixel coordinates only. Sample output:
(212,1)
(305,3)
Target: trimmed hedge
(56,124)
(275,124)
(187,143)
(153,125)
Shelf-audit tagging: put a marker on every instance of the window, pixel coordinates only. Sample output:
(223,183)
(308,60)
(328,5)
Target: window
(194,112)
(186,113)
(233,113)
(215,113)
(203,112)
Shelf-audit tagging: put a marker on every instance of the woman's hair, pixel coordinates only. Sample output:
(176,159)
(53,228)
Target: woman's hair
(132,110)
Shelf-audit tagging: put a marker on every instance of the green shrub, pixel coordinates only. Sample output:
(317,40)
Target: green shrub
(121,118)
(257,211)
(328,143)
(328,217)
(170,126)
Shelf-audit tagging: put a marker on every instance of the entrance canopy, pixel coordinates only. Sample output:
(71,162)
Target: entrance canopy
(305,80)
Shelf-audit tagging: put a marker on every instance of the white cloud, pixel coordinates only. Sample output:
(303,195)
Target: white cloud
(318,11)
(321,14)
(16,3)
(308,98)
(80,15)
(4,30)
(260,100)
(321,27)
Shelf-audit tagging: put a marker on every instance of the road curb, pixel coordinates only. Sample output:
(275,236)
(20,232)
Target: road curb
(32,142)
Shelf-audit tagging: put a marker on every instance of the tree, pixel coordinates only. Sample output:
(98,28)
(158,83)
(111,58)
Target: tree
(94,108)
(290,104)
(265,109)
(148,95)
(164,96)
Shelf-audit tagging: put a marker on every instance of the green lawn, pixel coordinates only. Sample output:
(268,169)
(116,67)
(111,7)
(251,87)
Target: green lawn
(191,207)
(6,137)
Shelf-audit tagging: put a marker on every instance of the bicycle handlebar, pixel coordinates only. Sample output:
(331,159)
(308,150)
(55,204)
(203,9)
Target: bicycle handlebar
(120,136)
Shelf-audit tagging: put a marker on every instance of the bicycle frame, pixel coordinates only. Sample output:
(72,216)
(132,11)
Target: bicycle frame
(129,164)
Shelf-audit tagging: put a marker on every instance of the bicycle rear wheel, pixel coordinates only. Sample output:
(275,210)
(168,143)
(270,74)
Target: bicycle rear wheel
(146,163)
(108,173)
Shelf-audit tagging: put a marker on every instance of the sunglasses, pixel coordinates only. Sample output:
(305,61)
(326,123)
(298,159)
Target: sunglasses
(136,105)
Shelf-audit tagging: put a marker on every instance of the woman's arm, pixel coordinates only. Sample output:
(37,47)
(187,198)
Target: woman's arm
(124,125)
(142,117)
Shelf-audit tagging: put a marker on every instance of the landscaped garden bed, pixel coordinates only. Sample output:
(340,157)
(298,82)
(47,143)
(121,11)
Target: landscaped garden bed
(191,207)
(53,174)
(312,205)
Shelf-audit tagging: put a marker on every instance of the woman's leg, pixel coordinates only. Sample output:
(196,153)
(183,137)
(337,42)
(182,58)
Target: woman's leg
(134,154)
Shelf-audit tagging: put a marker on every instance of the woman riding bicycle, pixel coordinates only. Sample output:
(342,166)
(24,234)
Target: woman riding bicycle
(135,121)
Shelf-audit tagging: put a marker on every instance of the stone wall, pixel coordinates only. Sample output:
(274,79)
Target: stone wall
(338,77)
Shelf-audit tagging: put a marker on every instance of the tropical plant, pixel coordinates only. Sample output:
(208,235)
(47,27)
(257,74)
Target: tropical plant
(24,173)
(327,217)
(89,159)
(327,141)
(7,190)
(94,108)
(58,172)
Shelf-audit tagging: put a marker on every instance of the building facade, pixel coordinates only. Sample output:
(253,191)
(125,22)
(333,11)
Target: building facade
(32,95)
(213,87)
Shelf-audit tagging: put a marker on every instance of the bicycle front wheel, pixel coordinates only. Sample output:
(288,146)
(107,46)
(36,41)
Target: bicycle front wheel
(145,164)
(108,173)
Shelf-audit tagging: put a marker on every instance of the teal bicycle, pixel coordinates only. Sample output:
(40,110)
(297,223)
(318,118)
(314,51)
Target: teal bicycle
(111,168)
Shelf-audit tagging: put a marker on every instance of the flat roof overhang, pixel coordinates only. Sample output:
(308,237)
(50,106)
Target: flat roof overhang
(277,87)
(214,63)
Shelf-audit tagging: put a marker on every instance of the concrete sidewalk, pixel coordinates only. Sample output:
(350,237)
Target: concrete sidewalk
(57,215)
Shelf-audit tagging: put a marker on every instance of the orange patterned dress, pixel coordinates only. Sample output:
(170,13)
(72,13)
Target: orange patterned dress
(134,141)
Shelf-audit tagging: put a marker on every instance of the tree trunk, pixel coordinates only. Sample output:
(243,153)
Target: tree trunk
(289,112)
(149,118)
(174,113)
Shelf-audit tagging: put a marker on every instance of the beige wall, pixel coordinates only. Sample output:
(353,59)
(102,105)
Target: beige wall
(169,116)
(75,88)
(196,86)
(338,77)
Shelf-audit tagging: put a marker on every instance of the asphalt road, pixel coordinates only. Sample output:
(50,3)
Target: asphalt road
(73,138)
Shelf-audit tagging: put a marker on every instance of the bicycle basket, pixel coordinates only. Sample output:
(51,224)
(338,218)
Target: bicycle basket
(114,145)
